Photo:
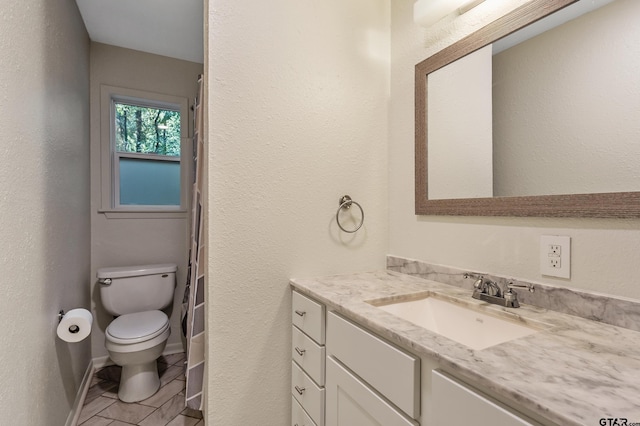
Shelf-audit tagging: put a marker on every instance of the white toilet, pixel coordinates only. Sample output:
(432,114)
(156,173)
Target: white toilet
(137,337)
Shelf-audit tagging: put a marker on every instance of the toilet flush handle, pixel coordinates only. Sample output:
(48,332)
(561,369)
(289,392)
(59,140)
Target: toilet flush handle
(105,281)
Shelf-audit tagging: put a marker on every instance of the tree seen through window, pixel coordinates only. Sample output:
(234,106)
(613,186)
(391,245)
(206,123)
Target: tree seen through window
(147,130)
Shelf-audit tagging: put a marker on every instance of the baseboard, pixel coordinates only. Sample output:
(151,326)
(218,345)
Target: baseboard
(104,361)
(173,348)
(74,415)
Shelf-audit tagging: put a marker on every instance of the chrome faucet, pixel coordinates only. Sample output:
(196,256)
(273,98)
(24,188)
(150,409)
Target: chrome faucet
(489,291)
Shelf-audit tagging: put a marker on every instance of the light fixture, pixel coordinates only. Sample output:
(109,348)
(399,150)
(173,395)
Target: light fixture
(428,12)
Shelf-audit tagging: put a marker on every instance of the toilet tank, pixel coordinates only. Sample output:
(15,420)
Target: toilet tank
(125,290)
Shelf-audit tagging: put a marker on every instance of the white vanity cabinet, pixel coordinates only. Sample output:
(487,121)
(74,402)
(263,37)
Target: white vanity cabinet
(360,379)
(369,381)
(308,361)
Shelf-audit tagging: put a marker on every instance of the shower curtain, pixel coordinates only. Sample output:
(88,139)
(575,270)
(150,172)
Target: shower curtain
(193,302)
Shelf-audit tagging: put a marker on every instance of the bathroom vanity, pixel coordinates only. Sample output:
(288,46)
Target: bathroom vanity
(380,368)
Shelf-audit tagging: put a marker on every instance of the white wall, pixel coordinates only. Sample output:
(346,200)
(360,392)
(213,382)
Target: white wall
(551,135)
(142,239)
(298,97)
(604,251)
(44,207)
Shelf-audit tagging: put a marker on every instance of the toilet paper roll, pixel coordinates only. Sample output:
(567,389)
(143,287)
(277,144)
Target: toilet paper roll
(75,325)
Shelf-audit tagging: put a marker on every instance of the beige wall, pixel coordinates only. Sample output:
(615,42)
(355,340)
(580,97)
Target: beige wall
(144,239)
(551,135)
(604,252)
(44,207)
(298,101)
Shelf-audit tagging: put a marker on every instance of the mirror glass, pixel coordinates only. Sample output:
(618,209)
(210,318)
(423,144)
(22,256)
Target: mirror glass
(551,109)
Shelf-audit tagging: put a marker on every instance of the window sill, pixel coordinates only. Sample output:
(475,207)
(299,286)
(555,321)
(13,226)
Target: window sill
(143,214)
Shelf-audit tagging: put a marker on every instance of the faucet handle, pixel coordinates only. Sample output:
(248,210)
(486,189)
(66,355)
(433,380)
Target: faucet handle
(511,285)
(479,283)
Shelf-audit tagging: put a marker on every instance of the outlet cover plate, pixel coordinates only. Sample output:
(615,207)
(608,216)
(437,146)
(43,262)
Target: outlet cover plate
(552,263)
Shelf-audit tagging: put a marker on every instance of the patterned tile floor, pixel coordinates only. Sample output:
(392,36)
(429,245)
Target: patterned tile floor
(165,408)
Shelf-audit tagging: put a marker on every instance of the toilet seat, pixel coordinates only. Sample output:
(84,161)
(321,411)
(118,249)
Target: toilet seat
(137,327)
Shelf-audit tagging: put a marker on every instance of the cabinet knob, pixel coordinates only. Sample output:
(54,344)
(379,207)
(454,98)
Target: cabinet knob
(301,313)
(300,390)
(300,351)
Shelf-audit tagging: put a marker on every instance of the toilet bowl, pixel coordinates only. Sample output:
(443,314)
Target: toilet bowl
(137,337)
(135,341)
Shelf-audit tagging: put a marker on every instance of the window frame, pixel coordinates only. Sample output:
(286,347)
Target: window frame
(110,197)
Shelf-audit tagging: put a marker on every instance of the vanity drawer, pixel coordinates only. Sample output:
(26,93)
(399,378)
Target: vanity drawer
(298,416)
(391,371)
(308,354)
(308,394)
(308,316)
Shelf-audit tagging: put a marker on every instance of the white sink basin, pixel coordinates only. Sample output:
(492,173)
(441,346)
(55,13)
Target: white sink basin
(462,324)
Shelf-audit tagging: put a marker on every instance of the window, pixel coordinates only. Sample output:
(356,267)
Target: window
(146,155)
(141,150)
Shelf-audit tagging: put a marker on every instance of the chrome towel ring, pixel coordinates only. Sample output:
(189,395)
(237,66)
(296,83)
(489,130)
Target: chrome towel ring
(345,203)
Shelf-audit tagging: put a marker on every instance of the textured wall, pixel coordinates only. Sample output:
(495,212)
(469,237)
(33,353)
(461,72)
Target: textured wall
(44,206)
(142,240)
(553,136)
(604,252)
(298,98)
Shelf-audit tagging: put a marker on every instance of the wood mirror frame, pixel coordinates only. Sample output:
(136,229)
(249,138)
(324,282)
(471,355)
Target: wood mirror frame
(611,205)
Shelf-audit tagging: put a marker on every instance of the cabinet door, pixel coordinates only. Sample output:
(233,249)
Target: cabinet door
(391,371)
(455,404)
(350,402)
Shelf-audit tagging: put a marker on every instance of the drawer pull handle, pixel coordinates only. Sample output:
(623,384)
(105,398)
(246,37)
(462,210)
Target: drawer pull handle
(300,390)
(300,351)
(301,313)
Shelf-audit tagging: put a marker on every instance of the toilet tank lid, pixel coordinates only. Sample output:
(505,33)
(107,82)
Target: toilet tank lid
(136,271)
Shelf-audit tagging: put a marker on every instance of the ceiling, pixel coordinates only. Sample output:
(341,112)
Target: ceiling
(163,27)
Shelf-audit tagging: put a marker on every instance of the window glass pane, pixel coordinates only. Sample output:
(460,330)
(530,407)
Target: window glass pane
(149,182)
(147,130)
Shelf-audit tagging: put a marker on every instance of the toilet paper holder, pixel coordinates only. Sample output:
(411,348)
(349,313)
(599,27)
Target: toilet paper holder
(74,325)
(73,328)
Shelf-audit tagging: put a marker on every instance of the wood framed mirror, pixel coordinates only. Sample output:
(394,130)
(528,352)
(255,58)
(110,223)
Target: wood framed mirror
(619,199)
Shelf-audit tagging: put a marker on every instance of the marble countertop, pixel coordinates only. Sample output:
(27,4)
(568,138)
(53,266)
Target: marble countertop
(574,372)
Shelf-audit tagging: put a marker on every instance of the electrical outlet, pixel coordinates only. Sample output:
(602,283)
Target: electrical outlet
(555,256)
(555,249)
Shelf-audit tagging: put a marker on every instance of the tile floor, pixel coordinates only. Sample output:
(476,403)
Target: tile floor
(165,408)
